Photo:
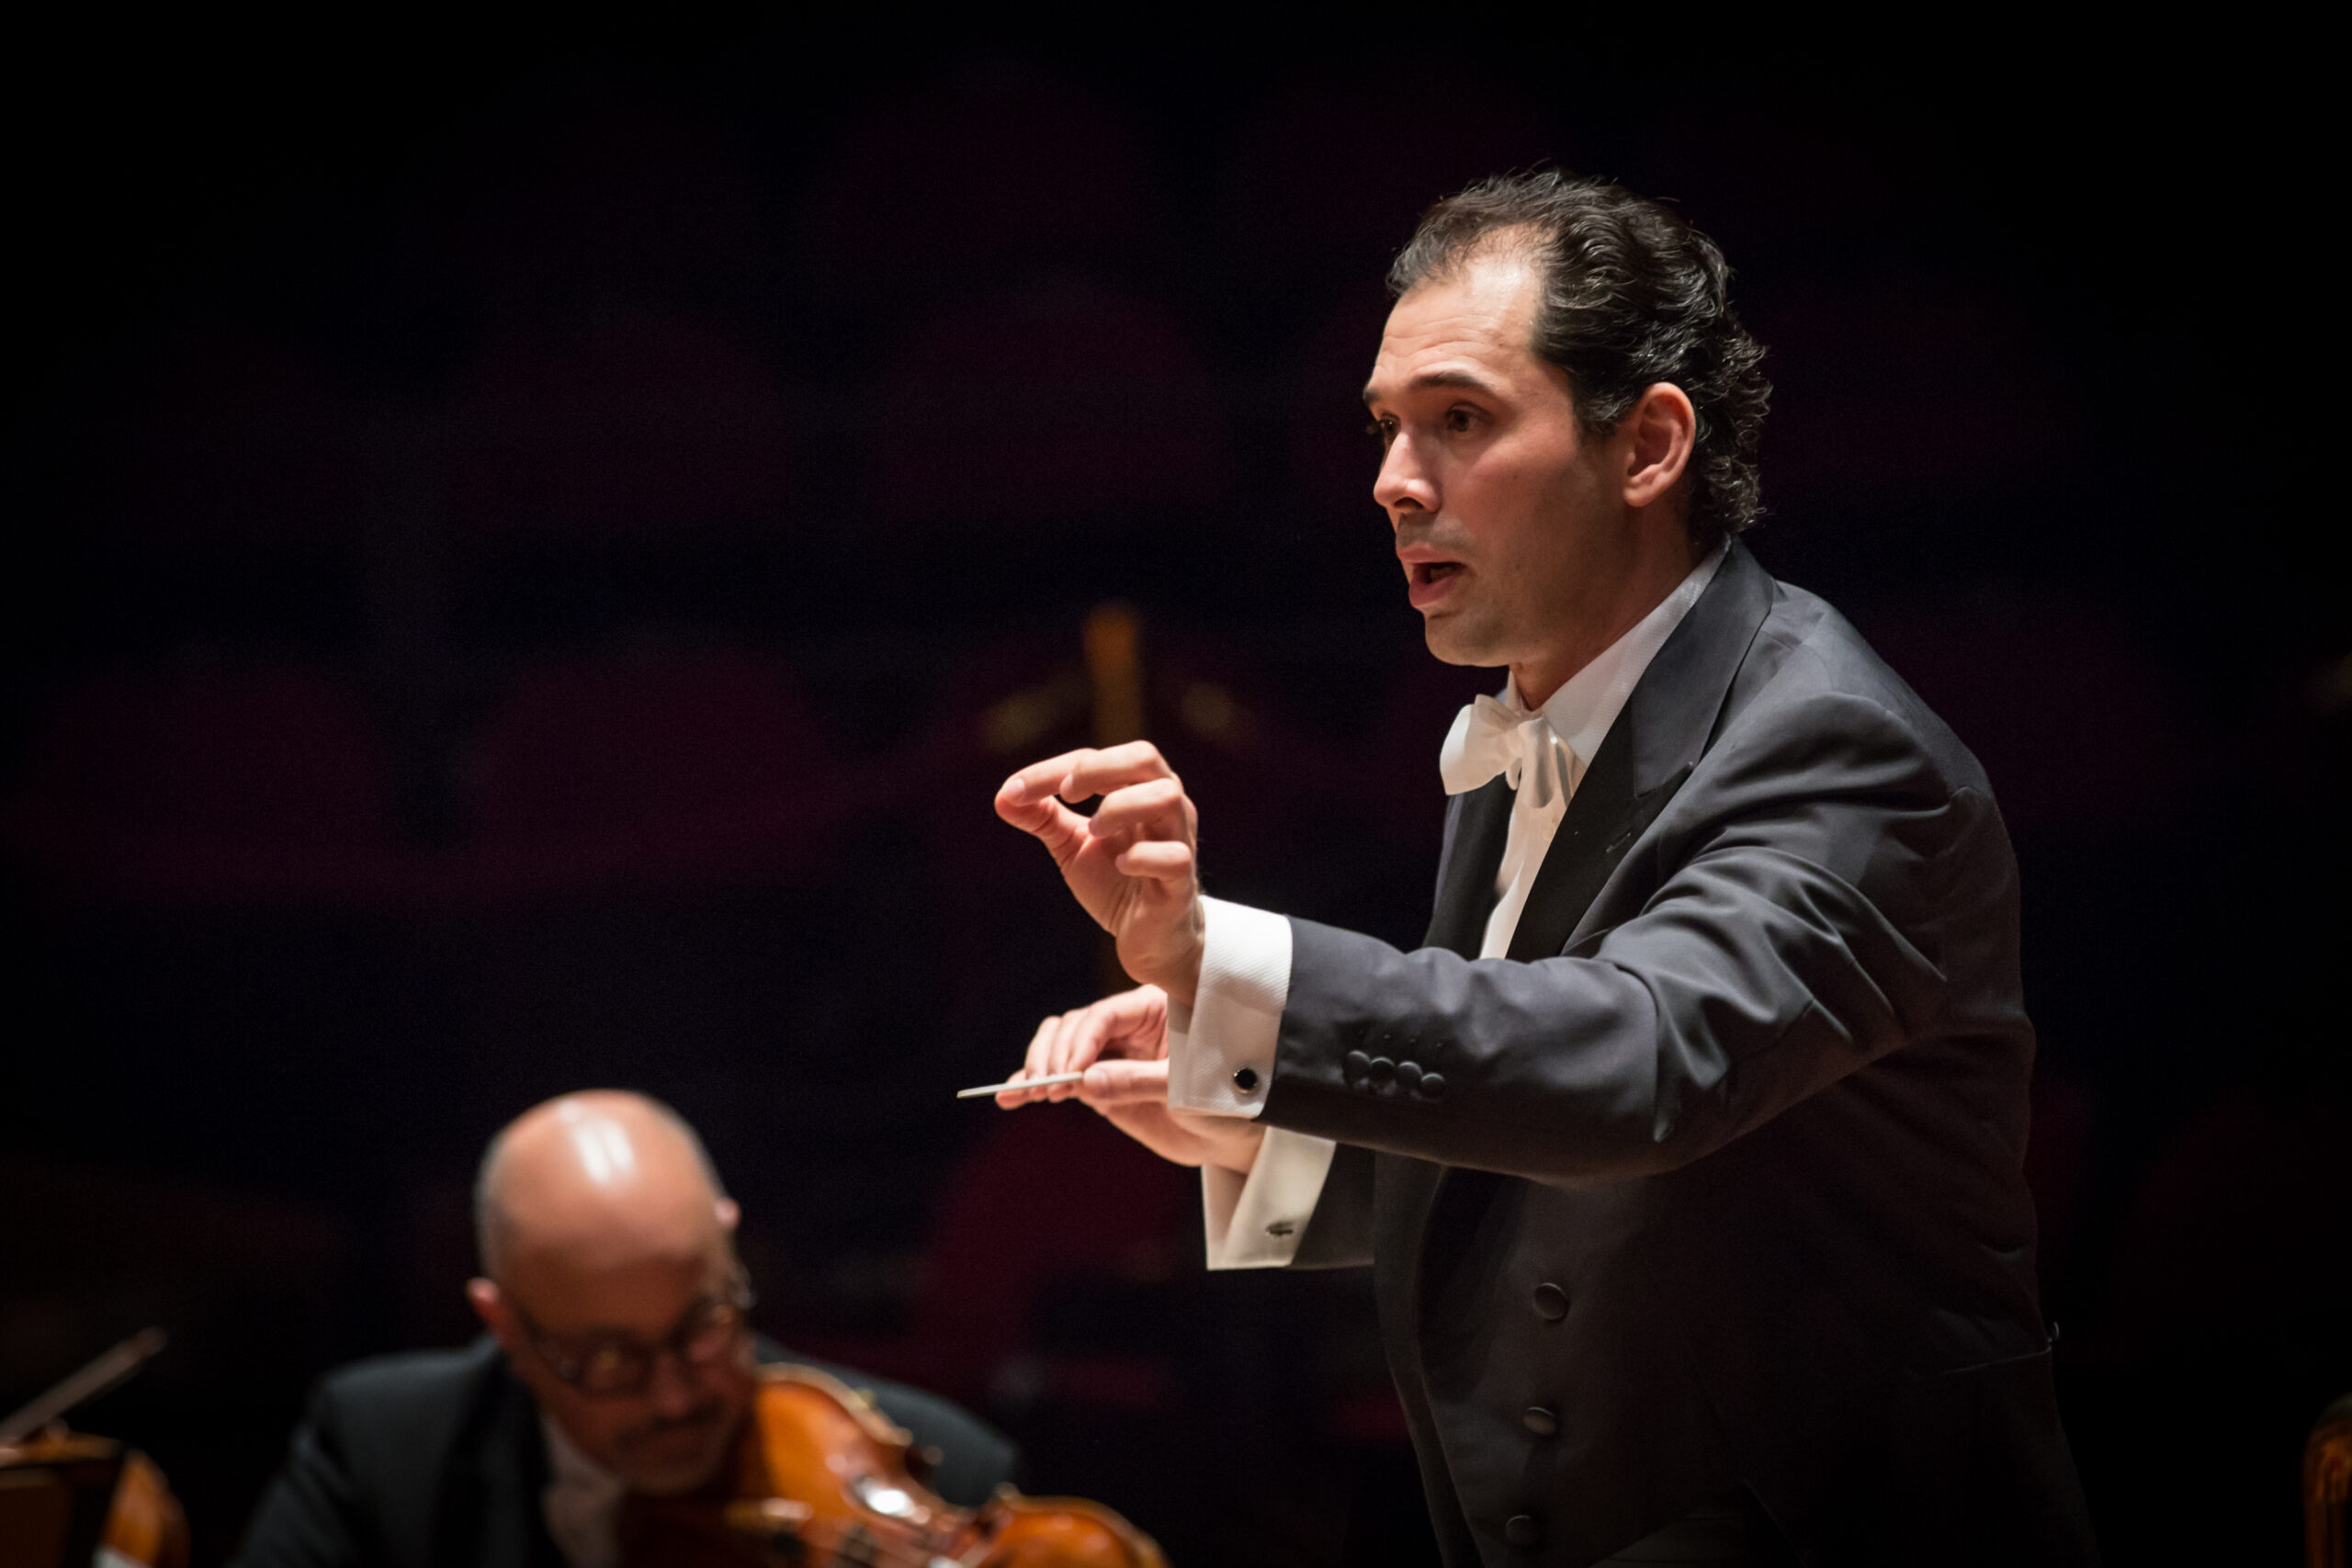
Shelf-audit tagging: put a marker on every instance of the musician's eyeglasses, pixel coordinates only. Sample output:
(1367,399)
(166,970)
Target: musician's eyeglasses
(614,1366)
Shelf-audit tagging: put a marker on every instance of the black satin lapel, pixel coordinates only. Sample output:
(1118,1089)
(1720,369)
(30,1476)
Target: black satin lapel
(1587,849)
(1673,707)
(1465,888)
(1647,753)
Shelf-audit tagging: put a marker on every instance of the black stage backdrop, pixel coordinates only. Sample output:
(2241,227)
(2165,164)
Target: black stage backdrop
(527,559)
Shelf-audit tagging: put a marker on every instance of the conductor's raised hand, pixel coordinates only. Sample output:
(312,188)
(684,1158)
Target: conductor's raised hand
(1132,864)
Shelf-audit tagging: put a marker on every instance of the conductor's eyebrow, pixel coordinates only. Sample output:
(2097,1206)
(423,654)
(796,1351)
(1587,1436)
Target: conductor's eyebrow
(1428,378)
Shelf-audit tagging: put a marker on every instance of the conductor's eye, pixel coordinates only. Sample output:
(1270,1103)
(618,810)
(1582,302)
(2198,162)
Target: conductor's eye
(1383,431)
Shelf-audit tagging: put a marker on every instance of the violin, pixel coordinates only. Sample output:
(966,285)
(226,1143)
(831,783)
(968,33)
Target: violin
(822,1479)
(66,1495)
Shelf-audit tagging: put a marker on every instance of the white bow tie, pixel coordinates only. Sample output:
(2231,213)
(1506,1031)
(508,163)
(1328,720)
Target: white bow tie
(1490,738)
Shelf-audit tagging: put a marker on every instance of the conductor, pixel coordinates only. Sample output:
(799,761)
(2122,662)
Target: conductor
(1686,1151)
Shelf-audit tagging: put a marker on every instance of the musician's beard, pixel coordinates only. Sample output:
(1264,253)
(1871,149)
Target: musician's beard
(665,1457)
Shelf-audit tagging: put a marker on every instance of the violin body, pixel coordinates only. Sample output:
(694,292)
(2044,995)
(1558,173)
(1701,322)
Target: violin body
(63,1494)
(821,1480)
(145,1522)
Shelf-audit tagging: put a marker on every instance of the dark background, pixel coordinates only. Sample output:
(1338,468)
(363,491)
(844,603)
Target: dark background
(527,560)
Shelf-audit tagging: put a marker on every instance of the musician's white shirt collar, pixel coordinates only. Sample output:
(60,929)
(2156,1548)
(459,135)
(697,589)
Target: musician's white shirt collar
(581,1503)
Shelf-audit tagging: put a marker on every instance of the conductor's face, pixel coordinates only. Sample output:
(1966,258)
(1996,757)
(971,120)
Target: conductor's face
(1522,541)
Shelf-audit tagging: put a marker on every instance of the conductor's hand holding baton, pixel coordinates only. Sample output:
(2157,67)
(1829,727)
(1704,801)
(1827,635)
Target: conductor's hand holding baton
(1132,865)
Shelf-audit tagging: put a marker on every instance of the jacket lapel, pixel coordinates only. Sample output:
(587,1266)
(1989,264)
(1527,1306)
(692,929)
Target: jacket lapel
(1477,824)
(1649,750)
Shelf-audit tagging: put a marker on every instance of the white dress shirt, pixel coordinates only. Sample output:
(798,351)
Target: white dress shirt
(581,1503)
(1235,1018)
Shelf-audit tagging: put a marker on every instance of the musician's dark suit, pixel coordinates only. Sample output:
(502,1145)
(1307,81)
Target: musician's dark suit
(435,1460)
(1729,1191)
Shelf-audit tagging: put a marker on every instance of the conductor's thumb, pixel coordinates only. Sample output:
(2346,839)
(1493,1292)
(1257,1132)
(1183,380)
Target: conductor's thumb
(1118,1081)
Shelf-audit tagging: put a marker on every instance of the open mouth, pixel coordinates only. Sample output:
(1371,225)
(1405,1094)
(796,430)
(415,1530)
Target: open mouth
(1429,583)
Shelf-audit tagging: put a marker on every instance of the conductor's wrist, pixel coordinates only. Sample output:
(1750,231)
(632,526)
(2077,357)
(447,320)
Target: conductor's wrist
(1174,964)
(1179,976)
(1184,983)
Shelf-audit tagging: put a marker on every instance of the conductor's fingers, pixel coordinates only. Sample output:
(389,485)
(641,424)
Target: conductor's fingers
(1033,1060)
(1038,780)
(1102,769)
(1040,1058)
(1036,1063)
(1119,1081)
(1134,1023)
(1088,771)
(1153,810)
(1061,830)
(1062,1052)
(1158,860)
(1073,1049)
(1104,1029)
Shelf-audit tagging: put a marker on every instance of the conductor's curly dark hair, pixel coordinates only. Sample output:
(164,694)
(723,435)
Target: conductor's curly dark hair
(1633,295)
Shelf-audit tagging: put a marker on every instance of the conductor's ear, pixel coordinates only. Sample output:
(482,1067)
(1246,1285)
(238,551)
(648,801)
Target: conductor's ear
(1660,433)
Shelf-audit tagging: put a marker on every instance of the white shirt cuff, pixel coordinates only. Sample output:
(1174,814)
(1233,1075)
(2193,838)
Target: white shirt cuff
(1257,1222)
(1221,1052)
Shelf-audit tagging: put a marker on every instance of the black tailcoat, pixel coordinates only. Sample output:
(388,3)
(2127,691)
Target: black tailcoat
(1716,1181)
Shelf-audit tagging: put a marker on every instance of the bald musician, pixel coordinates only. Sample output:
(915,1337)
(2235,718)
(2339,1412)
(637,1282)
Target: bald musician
(619,1358)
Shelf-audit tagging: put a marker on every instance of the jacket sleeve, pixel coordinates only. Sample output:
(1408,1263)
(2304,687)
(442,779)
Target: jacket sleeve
(1791,938)
(310,1515)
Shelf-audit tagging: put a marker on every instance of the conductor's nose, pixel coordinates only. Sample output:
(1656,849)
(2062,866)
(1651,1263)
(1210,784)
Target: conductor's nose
(1404,483)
